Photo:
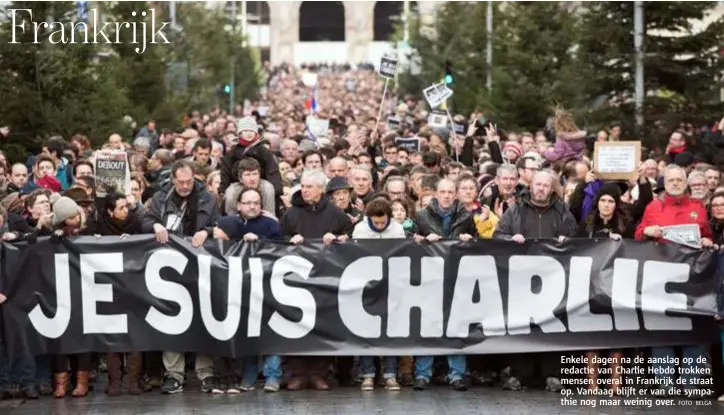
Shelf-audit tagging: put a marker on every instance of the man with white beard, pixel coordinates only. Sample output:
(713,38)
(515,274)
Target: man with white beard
(698,187)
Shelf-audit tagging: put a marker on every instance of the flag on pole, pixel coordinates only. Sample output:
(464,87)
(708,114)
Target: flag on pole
(312,104)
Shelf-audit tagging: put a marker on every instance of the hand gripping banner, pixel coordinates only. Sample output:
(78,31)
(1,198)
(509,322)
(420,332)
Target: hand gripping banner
(382,297)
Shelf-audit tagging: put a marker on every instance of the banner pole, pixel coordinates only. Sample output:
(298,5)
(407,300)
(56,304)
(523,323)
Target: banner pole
(454,136)
(379,114)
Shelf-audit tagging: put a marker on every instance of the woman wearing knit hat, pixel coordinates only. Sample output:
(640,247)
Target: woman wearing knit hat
(607,220)
(69,220)
(249,145)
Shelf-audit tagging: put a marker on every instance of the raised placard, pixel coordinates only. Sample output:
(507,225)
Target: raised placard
(616,160)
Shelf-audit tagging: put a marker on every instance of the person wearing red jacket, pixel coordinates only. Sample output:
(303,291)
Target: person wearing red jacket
(675,208)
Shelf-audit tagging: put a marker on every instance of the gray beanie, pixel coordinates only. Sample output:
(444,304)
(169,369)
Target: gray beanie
(63,209)
(247,124)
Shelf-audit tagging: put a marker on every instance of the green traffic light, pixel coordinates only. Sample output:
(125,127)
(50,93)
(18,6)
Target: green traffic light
(227,88)
(448,79)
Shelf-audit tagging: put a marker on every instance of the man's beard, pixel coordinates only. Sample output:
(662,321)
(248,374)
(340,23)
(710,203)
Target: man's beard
(542,200)
(699,195)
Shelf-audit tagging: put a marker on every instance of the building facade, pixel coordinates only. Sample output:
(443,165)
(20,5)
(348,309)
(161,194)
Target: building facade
(326,31)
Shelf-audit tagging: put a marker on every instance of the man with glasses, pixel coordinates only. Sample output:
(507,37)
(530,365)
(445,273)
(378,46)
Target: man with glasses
(396,187)
(184,209)
(390,157)
(527,167)
(675,207)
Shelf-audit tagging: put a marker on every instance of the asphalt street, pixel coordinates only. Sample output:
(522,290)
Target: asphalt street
(346,401)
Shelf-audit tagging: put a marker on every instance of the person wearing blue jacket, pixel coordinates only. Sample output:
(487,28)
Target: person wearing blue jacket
(250,225)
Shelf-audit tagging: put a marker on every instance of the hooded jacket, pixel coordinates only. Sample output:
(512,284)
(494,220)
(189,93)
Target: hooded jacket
(567,145)
(257,151)
(231,197)
(532,221)
(363,230)
(430,220)
(313,221)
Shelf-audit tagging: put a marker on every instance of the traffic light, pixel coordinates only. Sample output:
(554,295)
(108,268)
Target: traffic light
(227,88)
(448,76)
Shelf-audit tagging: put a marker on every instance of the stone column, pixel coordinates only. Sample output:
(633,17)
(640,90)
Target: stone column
(284,30)
(359,29)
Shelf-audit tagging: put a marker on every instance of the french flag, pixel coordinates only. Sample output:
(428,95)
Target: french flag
(312,103)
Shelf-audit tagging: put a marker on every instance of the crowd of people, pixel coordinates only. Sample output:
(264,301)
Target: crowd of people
(260,173)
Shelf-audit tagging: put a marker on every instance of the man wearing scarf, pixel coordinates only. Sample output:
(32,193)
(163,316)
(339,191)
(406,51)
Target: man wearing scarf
(444,218)
(250,145)
(184,208)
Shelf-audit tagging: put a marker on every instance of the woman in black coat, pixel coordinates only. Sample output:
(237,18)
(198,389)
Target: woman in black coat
(118,218)
(607,220)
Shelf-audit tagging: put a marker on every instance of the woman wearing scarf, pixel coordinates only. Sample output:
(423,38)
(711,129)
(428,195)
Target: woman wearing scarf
(378,224)
(68,219)
(607,220)
(116,219)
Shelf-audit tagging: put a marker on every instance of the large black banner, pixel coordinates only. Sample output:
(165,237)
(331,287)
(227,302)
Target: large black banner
(383,297)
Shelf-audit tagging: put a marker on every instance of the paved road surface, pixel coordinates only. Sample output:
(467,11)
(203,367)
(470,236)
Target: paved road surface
(344,401)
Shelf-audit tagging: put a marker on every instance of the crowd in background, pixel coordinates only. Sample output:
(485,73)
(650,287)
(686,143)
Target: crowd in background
(260,173)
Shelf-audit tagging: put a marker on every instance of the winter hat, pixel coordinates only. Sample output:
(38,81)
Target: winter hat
(50,183)
(610,189)
(514,147)
(63,209)
(247,124)
(337,183)
(535,156)
(77,195)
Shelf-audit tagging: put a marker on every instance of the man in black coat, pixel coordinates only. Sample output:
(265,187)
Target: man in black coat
(250,145)
(312,216)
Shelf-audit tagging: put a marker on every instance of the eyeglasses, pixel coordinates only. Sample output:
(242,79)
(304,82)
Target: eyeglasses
(717,205)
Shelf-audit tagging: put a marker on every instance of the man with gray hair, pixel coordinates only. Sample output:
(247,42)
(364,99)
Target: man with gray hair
(697,185)
(312,216)
(142,145)
(502,193)
(675,207)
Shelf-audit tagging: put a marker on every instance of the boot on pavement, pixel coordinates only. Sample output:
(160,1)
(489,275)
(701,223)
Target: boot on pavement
(81,384)
(62,384)
(136,385)
(115,374)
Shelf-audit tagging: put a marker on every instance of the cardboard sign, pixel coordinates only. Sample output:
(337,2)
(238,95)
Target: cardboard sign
(388,67)
(436,94)
(393,123)
(459,128)
(309,79)
(410,144)
(317,127)
(688,235)
(436,119)
(616,160)
(112,173)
